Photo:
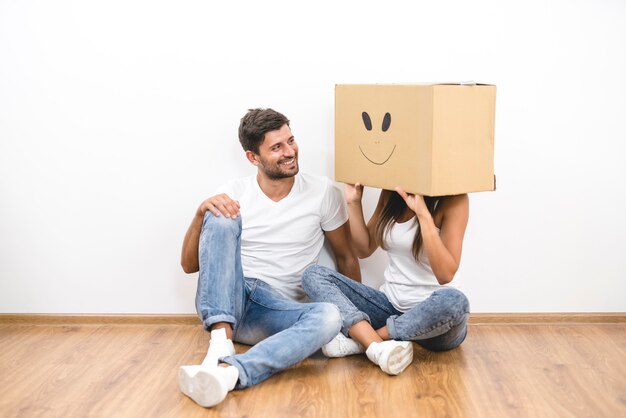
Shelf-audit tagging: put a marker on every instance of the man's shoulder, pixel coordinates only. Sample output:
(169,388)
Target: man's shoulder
(312,181)
(238,186)
(242,181)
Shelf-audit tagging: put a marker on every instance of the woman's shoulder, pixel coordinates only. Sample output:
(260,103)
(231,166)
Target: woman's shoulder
(455,201)
(452,206)
(385,195)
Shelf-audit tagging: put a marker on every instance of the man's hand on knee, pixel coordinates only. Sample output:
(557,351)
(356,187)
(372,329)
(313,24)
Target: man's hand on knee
(219,204)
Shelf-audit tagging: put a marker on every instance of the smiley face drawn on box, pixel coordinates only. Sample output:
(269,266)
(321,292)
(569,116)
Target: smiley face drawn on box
(431,139)
(380,146)
(374,131)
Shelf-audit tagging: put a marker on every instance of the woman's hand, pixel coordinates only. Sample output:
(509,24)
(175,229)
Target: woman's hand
(353,193)
(415,202)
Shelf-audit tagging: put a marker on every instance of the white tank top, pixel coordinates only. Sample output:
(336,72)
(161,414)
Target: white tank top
(407,282)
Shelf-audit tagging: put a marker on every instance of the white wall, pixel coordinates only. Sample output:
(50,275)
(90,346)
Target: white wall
(117,118)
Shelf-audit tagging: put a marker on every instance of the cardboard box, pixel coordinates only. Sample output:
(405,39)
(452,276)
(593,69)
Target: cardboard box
(431,139)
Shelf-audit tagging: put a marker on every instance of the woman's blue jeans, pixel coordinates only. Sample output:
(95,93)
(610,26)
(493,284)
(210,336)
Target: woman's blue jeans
(438,323)
(283,332)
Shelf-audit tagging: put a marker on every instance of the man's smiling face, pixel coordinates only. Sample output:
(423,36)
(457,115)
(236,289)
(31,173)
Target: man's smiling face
(278,154)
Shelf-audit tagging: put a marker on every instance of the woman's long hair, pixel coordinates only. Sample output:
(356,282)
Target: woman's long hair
(393,211)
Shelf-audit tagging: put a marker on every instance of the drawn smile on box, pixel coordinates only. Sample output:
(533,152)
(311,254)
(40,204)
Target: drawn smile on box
(374,162)
(386,155)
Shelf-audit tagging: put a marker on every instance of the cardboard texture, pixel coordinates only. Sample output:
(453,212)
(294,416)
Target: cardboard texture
(431,139)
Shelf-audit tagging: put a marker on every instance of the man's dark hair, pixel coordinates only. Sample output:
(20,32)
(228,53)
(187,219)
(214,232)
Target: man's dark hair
(255,124)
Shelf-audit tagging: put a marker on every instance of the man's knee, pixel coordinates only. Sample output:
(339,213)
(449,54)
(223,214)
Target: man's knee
(220,222)
(330,319)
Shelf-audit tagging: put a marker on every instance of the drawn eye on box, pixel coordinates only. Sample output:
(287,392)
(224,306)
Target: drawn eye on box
(380,144)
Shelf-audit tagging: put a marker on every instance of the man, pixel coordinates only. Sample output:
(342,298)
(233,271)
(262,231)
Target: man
(251,243)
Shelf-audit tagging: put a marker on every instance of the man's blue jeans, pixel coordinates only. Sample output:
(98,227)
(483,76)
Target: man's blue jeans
(282,331)
(438,323)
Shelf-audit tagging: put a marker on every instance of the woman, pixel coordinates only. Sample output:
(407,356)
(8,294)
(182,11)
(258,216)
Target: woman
(423,237)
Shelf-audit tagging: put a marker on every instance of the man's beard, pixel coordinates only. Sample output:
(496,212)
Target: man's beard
(276,172)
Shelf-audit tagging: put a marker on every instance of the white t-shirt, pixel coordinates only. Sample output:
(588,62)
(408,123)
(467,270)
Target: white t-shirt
(281,239)
(407,282)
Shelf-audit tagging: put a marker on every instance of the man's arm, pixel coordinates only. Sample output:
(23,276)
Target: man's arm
(219,204)
(347,262)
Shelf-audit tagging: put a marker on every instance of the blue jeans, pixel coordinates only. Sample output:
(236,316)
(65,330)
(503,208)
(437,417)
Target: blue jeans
(282,331)
(438,323)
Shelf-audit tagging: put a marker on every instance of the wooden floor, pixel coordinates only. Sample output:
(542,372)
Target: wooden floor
(501,370)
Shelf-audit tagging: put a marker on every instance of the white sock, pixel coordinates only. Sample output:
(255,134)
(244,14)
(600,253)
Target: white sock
(219,347)
(228,376)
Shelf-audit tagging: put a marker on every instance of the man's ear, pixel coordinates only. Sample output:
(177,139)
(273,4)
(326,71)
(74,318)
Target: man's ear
(252,157)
